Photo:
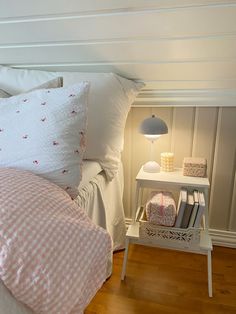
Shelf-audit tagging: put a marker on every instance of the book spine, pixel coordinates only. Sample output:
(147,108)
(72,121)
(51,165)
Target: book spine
(201,210)
(187,212)
(181,207)
(195,209)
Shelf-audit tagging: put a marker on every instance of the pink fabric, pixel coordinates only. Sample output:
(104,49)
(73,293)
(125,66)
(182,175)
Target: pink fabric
(52,257)
(161,209)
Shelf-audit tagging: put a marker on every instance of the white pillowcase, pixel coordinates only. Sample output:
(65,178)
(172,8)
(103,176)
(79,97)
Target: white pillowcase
(4,94)
(110,99)
(54,83)
(43,131)
(17,81)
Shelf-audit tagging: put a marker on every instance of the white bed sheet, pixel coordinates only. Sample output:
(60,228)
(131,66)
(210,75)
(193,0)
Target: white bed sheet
(9,305)
(89,170)
(102,200)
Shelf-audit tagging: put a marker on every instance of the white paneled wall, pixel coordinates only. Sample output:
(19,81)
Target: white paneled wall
(185,52)
(193,131)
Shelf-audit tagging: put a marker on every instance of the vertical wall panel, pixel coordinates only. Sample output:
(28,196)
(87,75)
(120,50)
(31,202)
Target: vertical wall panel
(182,134)
(204,135)
(223,170)
(127,161)
(232,221)
(135,153)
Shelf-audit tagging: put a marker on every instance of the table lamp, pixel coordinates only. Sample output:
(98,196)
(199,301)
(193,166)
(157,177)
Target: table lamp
(152,128)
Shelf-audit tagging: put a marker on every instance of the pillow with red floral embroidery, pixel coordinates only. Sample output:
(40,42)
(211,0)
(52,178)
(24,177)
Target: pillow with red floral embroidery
(43,131)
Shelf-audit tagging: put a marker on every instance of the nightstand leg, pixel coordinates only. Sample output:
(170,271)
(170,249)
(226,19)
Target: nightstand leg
(136,202)
(209,269)
(125,258)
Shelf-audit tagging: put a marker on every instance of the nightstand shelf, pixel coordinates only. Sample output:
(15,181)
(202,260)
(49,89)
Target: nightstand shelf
(170,181)
(204,245)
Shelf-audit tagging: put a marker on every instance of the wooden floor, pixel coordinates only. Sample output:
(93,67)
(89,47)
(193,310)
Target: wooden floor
(162,281)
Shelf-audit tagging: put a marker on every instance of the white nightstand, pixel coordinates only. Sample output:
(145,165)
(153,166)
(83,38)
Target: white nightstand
(170,181)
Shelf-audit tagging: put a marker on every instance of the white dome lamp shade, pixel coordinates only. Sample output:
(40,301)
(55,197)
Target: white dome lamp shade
(152,128)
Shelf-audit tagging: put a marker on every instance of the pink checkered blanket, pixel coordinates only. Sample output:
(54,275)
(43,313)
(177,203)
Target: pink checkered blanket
(52,257)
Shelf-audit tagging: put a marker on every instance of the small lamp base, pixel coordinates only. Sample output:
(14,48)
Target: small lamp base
(151,166)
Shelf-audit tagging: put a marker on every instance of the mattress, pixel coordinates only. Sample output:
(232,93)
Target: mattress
(102,200)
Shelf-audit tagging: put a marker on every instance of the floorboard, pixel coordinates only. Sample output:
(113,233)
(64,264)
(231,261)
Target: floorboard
(164,281)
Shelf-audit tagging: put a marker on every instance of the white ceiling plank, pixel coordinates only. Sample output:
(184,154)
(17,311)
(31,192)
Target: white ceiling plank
(174,45)
(168,24)
(195,50)
(24,8)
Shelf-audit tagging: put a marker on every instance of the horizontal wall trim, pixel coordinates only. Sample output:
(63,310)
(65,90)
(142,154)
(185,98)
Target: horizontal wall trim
(119,40)
(186,98)
(159,71)
(163,84)
(223,238)
(130,40)
(128,51)
(182,85)
(108,12)
(130,62)
(185,93)
(223,97)
(219,237)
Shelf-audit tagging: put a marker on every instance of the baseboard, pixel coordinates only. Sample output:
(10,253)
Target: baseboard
(219,237)
(223,238)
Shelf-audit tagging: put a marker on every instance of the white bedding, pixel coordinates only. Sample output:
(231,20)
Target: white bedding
(9,305)
(89,170)
(102,200)
(99,197)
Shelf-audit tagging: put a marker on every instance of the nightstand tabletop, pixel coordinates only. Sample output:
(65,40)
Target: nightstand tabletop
(175,177)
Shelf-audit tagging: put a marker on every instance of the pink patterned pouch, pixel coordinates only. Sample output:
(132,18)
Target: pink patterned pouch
(161,209)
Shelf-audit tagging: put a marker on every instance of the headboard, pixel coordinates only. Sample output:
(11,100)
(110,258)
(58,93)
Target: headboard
(184,50)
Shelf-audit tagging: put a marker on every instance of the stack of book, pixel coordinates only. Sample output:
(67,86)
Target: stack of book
(190,209)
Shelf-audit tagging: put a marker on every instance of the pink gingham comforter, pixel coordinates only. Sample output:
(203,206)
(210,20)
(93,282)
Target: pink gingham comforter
(52,257)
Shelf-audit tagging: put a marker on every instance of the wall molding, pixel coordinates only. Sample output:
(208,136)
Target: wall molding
(219,237)
(223,238)
(187,98)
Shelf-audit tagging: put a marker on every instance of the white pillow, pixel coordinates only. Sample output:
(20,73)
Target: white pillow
(110,99)
(4,94)
(54,83)
(43,131)
(17,81)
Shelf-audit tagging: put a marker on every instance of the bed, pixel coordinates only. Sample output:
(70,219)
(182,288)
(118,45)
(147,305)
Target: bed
(77,154)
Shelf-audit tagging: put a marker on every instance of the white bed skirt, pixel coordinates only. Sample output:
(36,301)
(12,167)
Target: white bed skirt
(102,201)
(9,305)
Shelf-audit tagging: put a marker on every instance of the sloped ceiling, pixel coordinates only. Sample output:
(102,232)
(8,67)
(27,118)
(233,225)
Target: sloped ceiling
(184,50)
